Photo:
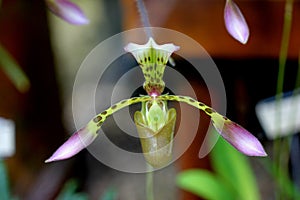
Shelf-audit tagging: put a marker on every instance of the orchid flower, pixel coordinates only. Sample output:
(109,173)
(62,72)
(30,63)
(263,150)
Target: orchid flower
(235,22)
(68,11)
(155,122)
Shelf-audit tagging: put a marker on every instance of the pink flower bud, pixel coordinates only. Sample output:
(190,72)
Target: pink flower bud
(235,22)
(68,11)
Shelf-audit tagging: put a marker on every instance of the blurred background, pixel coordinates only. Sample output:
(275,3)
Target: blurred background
(50,51)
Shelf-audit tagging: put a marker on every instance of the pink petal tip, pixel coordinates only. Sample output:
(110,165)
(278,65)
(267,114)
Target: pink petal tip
(78,141)
(238,137)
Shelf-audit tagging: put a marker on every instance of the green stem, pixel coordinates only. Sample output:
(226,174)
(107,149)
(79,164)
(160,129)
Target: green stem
(4,182)
(149,184)
(297,84)
(281,146)
(284,44)
(13,70)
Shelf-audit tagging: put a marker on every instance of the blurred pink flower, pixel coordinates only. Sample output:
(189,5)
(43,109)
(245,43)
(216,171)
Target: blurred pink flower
(235,22)
(68,11)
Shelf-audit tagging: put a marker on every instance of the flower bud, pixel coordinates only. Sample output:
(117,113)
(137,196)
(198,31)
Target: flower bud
(235,22)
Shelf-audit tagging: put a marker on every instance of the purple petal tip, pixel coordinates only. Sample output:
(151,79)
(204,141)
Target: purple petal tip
(238,137)
(78,141)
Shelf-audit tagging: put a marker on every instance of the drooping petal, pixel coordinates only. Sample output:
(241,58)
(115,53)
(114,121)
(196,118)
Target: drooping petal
(85,136)
(78,141)
(237,136)
(235,22)
(68,11)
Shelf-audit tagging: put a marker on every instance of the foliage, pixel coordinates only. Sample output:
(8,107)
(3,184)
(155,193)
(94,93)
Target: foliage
(13,71)
(232,177)
(4,185)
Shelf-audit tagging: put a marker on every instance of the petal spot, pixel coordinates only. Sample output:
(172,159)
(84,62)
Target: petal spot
(192,100)
(209,110)
(97,119)
(201,104)
(114,107)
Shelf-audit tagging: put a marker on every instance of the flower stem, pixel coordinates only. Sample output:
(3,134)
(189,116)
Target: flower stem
(13,71)
(144,17)
(281,146)
(297,83)
(149,184)
(284,46)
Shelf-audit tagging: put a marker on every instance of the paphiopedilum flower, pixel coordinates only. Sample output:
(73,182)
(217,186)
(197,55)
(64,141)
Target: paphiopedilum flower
(155,122)
(68,11)
(235,22)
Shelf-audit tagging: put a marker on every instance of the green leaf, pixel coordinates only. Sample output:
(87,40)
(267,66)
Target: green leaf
(204,184)
(110,194)
(4,188)
(69,192)
(282,179)
(235,168)
(13,71)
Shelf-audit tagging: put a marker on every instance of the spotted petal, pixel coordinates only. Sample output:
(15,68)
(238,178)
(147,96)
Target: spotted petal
(68,11)
(78,141)
(152,59)
(85,136)
(235,22)
(236,135)
(136,49)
